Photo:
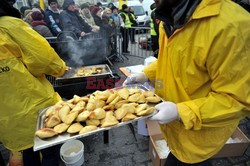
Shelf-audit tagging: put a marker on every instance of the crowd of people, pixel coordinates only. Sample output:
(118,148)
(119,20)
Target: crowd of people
(81,19)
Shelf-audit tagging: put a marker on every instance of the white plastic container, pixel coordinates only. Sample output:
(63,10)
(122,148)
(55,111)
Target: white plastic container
(72,153)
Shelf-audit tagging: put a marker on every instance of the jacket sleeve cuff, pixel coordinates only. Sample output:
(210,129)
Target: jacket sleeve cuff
(150,70)
(62,71)
(189,114)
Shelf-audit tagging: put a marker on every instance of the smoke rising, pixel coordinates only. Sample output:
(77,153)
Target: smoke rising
(90,50)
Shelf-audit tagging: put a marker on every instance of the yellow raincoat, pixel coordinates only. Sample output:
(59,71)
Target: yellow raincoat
(205,68)
(25,58)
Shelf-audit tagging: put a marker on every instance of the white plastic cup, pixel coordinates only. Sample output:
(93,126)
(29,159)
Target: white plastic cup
(72,153)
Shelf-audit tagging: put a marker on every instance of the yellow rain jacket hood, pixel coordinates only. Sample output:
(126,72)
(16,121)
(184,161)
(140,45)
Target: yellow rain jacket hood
(25,58)
(204,68)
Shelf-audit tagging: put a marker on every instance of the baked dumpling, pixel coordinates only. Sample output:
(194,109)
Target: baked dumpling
(83,116)
(45,133)
(74,128)
(63,112)
(109,120)
(128,117)
(134,98)
(154,99)
(76,99)
(85,98)
(94,122)
(146,112)
(70,117)
(120,113)
(98,113)
(109,107)
(87,129)
(61,128)
(123,93)
(52,120)
(50,111)
(90,106)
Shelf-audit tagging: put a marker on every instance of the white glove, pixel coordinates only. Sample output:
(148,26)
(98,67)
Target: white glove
(136,78)
(167,113)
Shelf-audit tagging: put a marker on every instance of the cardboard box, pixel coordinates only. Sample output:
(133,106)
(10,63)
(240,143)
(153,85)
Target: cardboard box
(234,149)
(229,149)
(153,151)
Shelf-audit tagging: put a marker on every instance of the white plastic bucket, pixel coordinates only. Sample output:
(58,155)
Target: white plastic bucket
(72,153)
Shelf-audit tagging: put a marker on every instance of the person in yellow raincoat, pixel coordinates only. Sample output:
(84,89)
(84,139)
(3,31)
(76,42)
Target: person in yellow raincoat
(203,74)
(25,58)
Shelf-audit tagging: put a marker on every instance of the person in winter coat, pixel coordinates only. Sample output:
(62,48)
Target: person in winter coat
(86,15)
(202,72)
(39,25)
(25,58)
(71,21)
(132,19)
(101,22)
(52,14)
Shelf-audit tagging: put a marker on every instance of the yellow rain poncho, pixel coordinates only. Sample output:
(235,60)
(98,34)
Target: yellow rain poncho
(205,68)
(25,58)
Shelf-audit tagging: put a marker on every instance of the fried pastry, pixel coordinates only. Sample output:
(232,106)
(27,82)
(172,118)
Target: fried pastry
(79,107)
(109,107)
(45,133)
(83,116)
(93,122)
(140,108)
(123,93)
(115,100)
(128,117)
(50,111)
(85,98)
(120,113)
(134,98)
(87,129)
(76,99)
(90,106)
(129,107)
(146,112)
(70,117)
(133,91)
(154,99)
(53,120)
(61,128)
(74,128)
(109,120)
(100,103)
(142,99)
(98,113)
(111,98)
(148,93)
(63,112)
(120,103)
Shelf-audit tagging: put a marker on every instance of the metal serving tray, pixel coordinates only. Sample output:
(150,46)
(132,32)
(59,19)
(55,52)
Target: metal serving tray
(61,138)
(69,75)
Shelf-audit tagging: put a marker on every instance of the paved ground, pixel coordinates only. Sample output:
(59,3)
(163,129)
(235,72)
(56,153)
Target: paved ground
(124,150)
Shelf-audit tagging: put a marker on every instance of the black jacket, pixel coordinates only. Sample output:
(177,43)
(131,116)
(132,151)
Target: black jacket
(71,21)
(53,21)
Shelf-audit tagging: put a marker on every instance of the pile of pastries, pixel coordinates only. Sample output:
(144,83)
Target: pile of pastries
(88,71)
(101,109)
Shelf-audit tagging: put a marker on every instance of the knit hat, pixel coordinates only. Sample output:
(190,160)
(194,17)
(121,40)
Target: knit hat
(37,16)
(26,12)
(124,6)
(50,1)
(95,10)
(67,3)
(84,5)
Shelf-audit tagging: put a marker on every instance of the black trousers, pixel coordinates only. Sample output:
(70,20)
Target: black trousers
(173,161)
(155,45)
(125,39)
(50,157)
(132,34)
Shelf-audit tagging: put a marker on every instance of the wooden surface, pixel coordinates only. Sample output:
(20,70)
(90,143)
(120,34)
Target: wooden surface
(124,71)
